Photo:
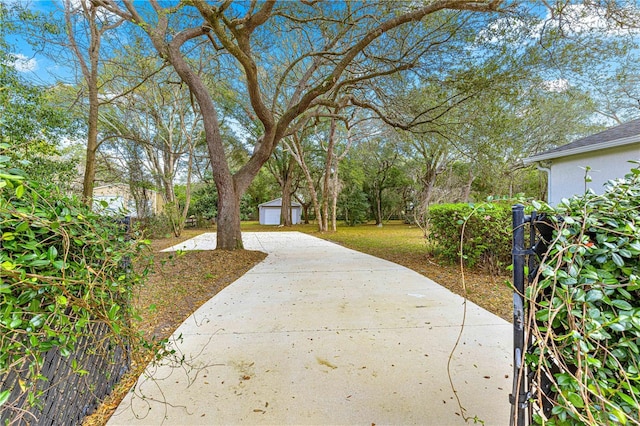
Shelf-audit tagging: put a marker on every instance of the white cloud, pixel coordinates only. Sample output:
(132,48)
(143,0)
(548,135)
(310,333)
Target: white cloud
(575,19)
(559,85)
(23,63)
(580,19)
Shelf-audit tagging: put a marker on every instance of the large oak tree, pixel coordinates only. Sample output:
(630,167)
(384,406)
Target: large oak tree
(307,53)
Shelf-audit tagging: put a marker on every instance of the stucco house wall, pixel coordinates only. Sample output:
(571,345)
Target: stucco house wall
(607,154)
(568,173)
(119,197)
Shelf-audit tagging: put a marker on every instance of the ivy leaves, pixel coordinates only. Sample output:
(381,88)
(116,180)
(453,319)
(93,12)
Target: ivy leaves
(585,318)
(61,269)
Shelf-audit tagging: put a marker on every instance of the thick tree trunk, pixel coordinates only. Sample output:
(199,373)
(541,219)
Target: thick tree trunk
(305,212)
(229,236)
(285,211)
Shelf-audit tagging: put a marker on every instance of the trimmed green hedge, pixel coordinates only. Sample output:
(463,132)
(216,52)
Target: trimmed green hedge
(487,232)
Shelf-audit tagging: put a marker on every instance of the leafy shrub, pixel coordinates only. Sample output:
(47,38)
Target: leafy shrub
(247,209)
(62,268)
(157,226)
(584,309)
(204,202)
(487,232)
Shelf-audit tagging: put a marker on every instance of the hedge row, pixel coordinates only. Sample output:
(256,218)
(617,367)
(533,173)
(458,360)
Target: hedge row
(487,232)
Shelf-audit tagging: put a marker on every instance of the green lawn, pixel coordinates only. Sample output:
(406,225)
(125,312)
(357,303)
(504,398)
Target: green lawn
(394,238)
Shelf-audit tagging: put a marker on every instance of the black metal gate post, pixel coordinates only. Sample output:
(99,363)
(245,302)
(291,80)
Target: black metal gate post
(519,396)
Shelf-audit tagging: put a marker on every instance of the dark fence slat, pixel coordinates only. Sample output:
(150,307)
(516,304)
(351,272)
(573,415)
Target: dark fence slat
(67,396)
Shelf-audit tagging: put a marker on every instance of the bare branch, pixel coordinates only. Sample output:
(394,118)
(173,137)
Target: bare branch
(416,15)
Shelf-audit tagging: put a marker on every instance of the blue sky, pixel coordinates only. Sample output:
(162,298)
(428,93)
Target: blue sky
(31,64)
(38,68)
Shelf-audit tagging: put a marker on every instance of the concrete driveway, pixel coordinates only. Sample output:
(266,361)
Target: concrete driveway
(320,334)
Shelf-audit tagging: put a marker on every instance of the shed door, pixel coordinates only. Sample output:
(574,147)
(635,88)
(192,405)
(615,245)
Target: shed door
(272,216)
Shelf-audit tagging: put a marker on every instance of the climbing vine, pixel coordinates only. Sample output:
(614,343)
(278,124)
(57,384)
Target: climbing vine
(62,268)
(584,310)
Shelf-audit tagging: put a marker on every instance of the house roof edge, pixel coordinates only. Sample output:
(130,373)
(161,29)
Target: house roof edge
(582,149)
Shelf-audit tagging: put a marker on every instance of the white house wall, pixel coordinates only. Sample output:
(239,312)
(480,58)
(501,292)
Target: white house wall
(568,173)
(119,197)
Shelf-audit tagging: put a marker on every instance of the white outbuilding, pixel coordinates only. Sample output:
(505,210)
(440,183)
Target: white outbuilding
(270,212)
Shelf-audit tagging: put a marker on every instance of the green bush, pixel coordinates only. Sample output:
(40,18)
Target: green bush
(354,206)
(62,268)
(585,309)
(204,202)
(157,226)
(487,233)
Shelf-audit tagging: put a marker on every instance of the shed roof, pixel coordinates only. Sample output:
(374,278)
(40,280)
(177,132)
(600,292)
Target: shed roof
(624,134)
(278,203)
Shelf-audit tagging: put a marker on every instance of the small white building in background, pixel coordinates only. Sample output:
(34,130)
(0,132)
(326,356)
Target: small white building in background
(119,199)
(269,212)
(607,154)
